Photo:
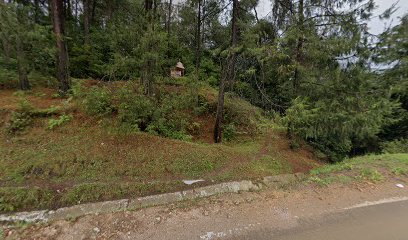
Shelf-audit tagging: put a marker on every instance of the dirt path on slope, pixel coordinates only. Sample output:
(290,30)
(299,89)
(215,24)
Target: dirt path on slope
(221,217)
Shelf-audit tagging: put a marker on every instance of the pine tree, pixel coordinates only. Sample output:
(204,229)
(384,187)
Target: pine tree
(228,76)
(58,21)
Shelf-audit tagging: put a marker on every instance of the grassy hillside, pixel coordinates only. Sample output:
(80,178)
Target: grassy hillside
(85,148)
(372,168)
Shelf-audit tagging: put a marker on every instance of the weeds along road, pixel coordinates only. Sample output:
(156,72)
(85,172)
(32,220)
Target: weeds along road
(302,212)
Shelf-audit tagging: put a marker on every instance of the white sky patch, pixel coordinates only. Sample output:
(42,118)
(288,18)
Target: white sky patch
(375,24)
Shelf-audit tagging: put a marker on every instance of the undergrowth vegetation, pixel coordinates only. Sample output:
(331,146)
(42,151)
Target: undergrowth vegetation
(26,113)
(396,146)
(103,142)
(372,168)
(108,140)
(166,113)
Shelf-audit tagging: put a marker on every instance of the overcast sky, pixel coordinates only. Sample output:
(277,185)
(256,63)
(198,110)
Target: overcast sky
(376,25)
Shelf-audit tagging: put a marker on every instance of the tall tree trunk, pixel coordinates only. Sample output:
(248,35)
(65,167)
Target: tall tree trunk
(92,20)
(6,48)
(111,4)
(234,42)
(228,74)
(57,15)
(76,10)
(203,7)
(5,40)
(21,65)
(198,39)
(147,77)
(168,28)
(36,11)
(220,110)
(169,10)
(298,58)
(68,10)
(86,21)
(148,5)
(299,47)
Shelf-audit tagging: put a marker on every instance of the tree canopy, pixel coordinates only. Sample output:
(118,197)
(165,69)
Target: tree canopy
(312,62)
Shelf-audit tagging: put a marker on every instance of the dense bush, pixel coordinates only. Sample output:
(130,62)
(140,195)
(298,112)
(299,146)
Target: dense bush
(396,146)
(164,115)
(8,77)
(98,101)
(229,132)
(242,114)
(169,120)
(21,118)
(136,110)
(335,127)
(19,121)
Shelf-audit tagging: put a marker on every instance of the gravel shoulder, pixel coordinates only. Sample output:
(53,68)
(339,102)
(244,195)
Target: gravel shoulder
(219,217)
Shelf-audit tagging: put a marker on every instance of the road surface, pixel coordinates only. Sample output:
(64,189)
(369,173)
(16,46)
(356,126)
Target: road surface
(385,221)
(303,212)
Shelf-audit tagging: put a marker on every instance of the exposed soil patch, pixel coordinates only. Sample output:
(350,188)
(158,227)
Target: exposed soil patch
(38,97)
(205,131)
(301,159)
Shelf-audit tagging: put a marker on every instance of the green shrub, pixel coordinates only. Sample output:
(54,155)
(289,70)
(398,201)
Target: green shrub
(85,60)
(169,119)
(371,174)
(77,89)
(98,101)
(204,106)
(170,129)
(45,112)
(320,181)
(13,199)
(164,118)
(399,171)
(396,146)
(19,121)
(136,111)
(242,114)
(337,128)
(294,144)
(180,81)
(8,75)
(24,115)
(229,132)
(21,118)
(24,105)
(53,123)
(212,81)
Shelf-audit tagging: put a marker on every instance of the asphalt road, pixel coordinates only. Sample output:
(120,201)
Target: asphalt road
(386,221)
(315,213)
